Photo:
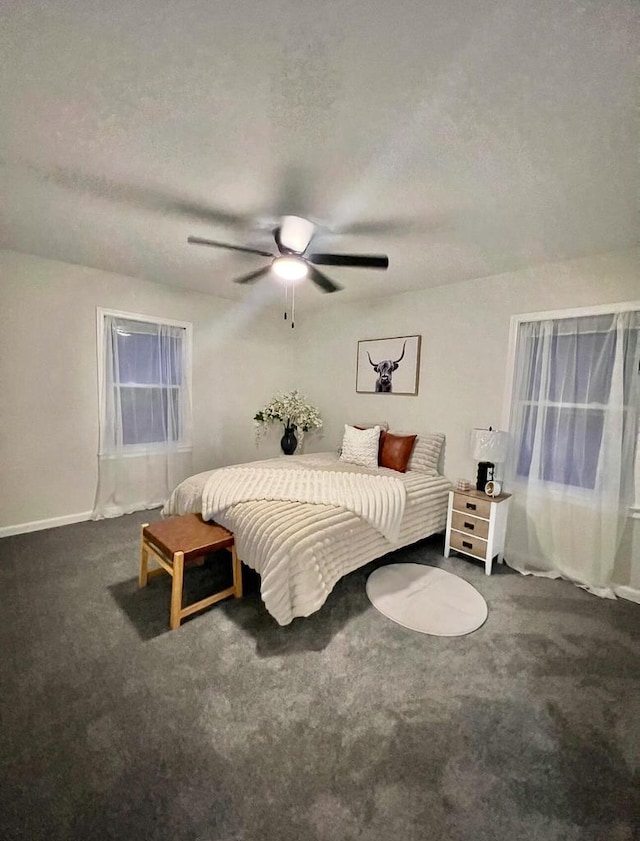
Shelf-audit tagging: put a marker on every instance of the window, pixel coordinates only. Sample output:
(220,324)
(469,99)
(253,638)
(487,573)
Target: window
(145,376)
(564,407)
(148,377)
(571,362)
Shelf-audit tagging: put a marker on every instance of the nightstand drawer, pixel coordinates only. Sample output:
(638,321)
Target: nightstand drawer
(468,544)
(470,525)
(472,505)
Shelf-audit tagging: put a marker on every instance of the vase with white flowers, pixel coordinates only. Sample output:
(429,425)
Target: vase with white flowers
(294,412)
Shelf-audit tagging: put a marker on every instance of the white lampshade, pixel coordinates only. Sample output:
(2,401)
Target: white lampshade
(490,445)
(296,233)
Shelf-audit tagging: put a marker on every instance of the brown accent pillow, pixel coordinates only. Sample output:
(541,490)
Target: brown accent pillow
(395,450)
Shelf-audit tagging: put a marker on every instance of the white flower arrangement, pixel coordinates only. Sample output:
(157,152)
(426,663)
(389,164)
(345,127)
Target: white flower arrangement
(290,409)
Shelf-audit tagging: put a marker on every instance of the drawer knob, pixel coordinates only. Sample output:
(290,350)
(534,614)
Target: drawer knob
(469,526)
(471,506)
(467,545)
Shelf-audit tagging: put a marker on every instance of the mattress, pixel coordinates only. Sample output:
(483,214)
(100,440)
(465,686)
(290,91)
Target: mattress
(302,549)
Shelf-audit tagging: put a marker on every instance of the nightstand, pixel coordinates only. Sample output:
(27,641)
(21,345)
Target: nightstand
(476,525)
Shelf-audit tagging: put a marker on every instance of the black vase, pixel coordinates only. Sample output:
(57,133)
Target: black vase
(289,442)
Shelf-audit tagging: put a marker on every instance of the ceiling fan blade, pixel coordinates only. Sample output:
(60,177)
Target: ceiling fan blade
(249,278)
(323,281)
(363,261)
(373,228)
(215,244)
(293,190)
(137,195)
(393,227)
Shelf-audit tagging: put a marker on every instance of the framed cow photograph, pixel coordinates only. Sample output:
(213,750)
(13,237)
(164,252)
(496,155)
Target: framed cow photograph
(388,366)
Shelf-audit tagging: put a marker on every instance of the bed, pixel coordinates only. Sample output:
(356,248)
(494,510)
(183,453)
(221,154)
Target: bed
(301,548)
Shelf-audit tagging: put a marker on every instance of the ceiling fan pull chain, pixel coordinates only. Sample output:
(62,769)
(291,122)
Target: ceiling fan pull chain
(293,306)
(286,300)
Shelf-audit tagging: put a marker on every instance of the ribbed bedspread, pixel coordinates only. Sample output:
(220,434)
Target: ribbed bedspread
(379,500)
(301,549)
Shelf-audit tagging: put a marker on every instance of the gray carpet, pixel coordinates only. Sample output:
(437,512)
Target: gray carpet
(341,726)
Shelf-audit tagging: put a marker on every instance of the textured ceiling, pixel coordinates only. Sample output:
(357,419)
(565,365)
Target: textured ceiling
(462,138)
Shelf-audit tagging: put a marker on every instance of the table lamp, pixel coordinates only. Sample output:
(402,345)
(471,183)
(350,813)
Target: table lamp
(489,448)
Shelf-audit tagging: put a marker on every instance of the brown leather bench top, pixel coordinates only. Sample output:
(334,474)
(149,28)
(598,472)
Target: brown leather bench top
(188,533)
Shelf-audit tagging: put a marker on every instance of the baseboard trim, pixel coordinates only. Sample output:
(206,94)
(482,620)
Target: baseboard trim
(632,594)
(51,523)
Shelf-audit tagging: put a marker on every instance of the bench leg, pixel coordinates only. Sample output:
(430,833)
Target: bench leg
(237,573)
(143,575)
(176,590)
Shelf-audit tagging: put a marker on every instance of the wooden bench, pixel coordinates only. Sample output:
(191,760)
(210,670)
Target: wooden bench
(178,541)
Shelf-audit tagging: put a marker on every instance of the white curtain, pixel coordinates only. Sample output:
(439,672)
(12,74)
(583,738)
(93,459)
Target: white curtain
(574,422)
(145,417)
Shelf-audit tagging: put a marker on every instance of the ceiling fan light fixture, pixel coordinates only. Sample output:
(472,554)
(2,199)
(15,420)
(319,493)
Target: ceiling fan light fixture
(290,268)
(295,233)
(292,239)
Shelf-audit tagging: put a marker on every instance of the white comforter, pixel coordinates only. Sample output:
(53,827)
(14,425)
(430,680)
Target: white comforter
(379,500)
(301,549)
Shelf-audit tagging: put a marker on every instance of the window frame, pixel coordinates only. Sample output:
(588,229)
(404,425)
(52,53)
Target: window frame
(553,315)
(131,450)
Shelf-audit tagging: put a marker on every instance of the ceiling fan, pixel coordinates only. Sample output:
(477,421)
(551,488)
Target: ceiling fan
(292,262)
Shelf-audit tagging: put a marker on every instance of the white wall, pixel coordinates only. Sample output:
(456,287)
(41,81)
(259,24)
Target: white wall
(465,332)
(48,379)
(49,402)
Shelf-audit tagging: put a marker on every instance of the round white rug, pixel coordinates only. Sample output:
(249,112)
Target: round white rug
(427,599)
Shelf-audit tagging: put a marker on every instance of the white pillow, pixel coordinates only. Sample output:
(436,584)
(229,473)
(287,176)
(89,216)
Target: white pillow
(360,446)
(426,453)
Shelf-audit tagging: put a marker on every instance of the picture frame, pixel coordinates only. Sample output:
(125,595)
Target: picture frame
(388,366)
